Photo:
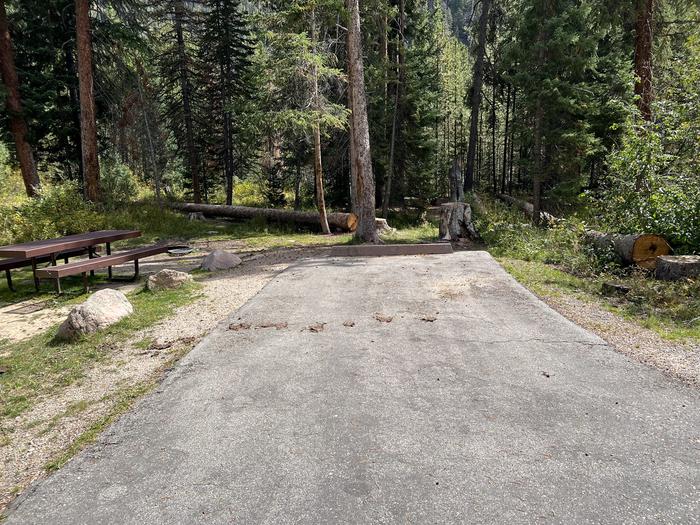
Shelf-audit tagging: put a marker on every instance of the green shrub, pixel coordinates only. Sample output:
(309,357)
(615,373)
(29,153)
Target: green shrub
(118,184)
(58,210)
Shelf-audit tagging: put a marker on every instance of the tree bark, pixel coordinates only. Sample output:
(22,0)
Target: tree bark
(456,222)
(527,208)
(640,250)
(318,165)
(13,103)
(476,95)
(342,221)
(361,156)
(88,126)
(186,89)
(643,57)
(676,268)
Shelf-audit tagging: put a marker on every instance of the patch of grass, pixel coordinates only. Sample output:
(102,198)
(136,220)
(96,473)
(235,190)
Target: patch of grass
(121,402)
(40,365)
(422,233)
(670,309)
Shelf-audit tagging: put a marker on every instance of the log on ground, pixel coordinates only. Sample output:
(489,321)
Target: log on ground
(527,208)
(642,250)
(346,222)
(456,222)
(676,268)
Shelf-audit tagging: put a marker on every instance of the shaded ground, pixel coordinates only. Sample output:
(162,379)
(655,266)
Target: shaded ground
(419,389)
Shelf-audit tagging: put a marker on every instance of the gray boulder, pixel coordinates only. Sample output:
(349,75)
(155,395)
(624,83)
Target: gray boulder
(220,260)
(167,280)
(102,309)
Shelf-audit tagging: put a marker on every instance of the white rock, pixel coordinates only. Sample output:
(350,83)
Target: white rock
(220,260)
(167,280)
(102,309)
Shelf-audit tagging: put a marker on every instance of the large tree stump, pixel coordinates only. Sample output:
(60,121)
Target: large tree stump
(632,249)
(675,268)
(456,222)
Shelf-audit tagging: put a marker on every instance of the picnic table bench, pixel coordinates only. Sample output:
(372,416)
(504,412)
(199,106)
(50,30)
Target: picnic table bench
(49,250)
(90,265)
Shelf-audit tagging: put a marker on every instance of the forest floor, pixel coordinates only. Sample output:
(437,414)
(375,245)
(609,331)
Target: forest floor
(56,399)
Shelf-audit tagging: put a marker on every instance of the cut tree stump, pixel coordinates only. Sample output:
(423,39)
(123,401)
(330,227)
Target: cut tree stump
(339,221)
(678,267)
(383,226)
(456,222)
(642,250)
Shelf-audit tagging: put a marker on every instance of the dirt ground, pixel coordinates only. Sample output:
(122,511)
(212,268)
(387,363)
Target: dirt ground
(40,435)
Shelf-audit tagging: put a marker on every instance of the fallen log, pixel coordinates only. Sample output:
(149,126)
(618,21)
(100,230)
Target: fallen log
(527,208)
(456,222)
(676,268)
(346,222)
(632,249)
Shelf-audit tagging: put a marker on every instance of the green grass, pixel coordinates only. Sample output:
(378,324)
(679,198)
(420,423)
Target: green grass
(40,366)
(670,309)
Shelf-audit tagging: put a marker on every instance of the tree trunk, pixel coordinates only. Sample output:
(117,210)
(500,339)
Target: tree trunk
(641,250)
(538,165)
(361,157)
(186,89)
(297,189)
(88,126)
(386,194)
(476,95)
(341,221)
(676,268)
(456,222)
(504,167)
(643,59)
(318,165)
(528,209)
(13,102)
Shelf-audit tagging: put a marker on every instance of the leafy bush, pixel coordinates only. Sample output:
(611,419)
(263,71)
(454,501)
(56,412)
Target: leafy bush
(58,210)
(118,184)
(508,233)
(654,186)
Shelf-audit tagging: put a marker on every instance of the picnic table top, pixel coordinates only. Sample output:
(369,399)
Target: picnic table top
(62,244)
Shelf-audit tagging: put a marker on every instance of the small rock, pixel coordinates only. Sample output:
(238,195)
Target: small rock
(237,327)
(103,309)
(196,216)
(220,260)
(349,324)
(167,280)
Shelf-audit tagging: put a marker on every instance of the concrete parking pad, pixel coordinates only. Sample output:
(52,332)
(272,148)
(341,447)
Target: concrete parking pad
(418,389)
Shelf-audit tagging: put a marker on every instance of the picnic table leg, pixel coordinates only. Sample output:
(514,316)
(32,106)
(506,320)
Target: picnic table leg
(109,268)
(91,249)
(36,279)
(8,276)
(53,259)
(58,286)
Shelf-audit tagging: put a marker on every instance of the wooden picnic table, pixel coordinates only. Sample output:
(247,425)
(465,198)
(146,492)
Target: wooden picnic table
(53,248)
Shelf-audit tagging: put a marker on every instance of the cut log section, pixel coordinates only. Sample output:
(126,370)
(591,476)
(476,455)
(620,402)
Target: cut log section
(456,222)
(346,222)
(527,208)
(633,249)
(676,268)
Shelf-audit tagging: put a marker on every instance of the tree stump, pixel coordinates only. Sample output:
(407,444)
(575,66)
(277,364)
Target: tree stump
(383,226)
(642,250)
(456,222)
(675,268)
